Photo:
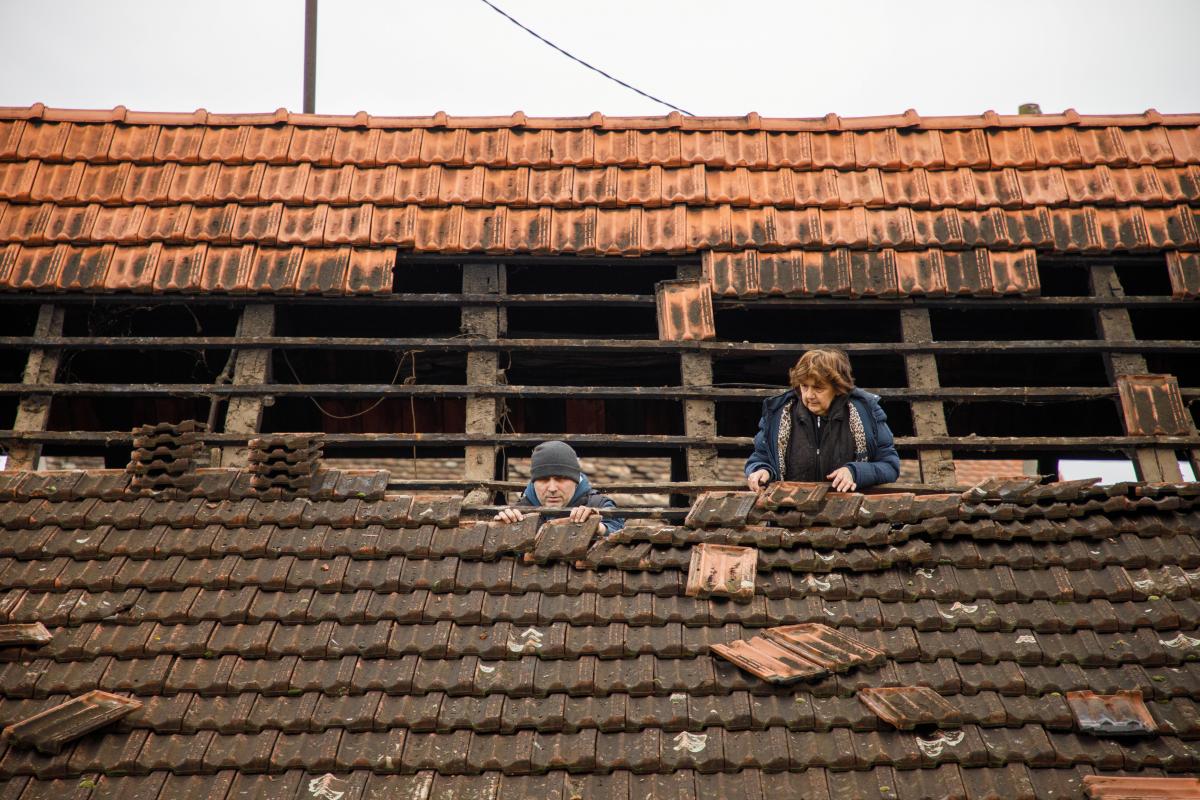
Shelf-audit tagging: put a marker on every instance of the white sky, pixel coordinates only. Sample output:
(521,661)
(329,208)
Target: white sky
(797,58)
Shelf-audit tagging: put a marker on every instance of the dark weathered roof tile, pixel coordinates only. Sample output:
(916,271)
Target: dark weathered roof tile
(50,729)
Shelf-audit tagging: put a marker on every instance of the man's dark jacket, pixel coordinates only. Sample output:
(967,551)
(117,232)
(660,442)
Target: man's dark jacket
(584,495)
(882,464)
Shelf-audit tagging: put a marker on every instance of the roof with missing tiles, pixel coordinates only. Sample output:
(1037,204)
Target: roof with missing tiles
(118,201)
(375,645)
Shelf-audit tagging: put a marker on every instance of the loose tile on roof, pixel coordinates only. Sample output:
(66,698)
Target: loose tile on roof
(792,496)
(684,311)
(906,707)
(1153,406)
(31,634)
(826,646)
(722,570)
(721,509)
(769,660)
(1120,787)
(564,539)
(388,624)
(49,730)
(1116,714)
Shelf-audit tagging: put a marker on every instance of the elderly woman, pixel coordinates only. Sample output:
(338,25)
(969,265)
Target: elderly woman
(835,432)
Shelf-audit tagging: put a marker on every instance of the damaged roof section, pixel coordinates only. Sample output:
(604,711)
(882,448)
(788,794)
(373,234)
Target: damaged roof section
(1153,406)
(685,312)
(1122,713)
(54,727)
(272,642)
(724,570)
(907,707)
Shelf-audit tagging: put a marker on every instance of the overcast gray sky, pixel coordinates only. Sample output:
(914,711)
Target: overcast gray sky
(799,58)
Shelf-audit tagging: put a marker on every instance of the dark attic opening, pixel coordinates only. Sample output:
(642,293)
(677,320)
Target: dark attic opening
(500,353)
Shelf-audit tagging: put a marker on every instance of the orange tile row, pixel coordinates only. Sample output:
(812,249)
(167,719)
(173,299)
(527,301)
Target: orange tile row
(618,231)
(878,273)
(888,148)
(198,268)
(565,187)
(518,119)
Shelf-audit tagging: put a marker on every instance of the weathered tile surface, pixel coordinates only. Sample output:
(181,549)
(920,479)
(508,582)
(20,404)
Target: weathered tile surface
(111,201)
(384,642)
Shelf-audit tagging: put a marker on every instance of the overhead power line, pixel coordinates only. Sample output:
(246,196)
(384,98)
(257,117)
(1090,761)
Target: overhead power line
(577,60)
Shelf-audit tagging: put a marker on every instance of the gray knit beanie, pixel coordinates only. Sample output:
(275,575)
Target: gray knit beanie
(554,458)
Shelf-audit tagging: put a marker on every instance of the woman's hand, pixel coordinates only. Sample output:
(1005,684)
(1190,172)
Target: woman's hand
(843,480)
(509,515)
(581,513)
(758,480)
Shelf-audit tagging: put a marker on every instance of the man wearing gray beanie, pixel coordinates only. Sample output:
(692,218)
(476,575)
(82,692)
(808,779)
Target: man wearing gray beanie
(557,481)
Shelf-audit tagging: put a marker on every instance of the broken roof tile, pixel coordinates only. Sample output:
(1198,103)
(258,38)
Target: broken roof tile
(769,660)
(1111,715)
(722,570)
(49,730)
(721,510)
(793,496)
(31,634)
(1001,489)
(826,646)
(564,540)
(906,707)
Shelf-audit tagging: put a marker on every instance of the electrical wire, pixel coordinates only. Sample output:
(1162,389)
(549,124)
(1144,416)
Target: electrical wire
(577,60)
(369,408)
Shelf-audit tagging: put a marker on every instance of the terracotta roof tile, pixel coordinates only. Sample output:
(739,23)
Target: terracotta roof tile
(329,185)
(373,185)
(43,140)
(285,183)
(967,148)
(245,183)
(1121,787)
(134,143)
(224,144)
(269,144)
(181,144)
(1102,145)
(17,179)
(418,185)
(1152,405)
(58,183)
(401,147)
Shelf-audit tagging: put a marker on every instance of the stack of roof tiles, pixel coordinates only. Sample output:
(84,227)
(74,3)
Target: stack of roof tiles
(375,646)
(165,456)
(113,201)
(284,465)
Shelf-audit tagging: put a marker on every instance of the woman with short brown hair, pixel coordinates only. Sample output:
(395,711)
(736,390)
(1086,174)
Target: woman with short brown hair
(823,428)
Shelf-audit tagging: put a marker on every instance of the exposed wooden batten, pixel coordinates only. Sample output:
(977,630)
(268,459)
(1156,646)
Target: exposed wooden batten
(33,409)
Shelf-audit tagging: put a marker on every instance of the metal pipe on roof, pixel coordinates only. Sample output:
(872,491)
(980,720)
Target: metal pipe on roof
(310,56)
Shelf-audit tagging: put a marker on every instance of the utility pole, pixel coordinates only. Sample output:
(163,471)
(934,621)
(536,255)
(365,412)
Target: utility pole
(310,56)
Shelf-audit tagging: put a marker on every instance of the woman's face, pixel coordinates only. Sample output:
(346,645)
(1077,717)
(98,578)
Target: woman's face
(816,395)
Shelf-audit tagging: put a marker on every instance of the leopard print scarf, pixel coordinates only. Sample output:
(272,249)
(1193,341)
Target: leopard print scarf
(784,437)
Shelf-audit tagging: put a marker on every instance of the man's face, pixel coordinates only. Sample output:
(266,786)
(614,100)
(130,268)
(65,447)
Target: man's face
(554,491)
